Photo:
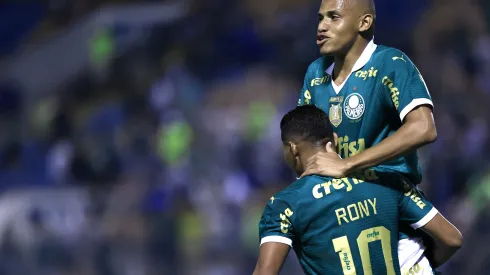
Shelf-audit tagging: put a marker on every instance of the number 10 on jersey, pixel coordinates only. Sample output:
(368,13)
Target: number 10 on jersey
(379,233)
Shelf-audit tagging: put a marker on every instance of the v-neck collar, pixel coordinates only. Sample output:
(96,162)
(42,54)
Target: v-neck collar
(360,63)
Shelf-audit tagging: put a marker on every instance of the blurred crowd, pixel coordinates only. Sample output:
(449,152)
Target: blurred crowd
(160,160)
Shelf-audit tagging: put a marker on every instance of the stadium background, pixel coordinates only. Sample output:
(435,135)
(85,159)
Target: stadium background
(142,137)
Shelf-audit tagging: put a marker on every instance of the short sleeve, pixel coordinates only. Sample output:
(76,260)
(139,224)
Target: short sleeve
(305,94)
(404,84)
(276,223)
(315,76)
(415,209)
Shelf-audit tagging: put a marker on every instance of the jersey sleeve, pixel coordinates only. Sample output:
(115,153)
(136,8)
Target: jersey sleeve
(305,94)
(415,209)
(277,222)
(315,76)
(404,84)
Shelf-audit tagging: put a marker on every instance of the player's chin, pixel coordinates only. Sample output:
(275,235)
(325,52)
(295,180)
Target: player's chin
(326,50)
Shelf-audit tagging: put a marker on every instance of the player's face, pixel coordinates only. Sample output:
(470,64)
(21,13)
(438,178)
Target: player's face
(337,27)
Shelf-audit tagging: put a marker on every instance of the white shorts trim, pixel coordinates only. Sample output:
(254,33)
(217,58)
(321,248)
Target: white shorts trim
(276,239)
(432,213)
(410,251)
(415,103)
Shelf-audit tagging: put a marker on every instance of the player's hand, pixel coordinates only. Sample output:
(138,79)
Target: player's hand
(326,164)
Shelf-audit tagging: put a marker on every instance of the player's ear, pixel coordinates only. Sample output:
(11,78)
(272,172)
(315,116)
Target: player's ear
(366,22)
(293,149)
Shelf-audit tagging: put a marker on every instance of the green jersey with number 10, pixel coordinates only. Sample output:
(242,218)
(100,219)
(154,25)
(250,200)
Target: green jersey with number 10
(345,226)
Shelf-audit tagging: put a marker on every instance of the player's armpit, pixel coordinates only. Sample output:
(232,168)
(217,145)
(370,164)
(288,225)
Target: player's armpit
(447,240)
(271,258)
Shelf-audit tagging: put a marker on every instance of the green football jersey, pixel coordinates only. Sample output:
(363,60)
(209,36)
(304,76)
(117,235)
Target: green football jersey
(370,105)
(344,226)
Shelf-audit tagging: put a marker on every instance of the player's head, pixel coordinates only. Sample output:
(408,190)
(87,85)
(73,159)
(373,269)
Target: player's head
(341,22)
(304,130)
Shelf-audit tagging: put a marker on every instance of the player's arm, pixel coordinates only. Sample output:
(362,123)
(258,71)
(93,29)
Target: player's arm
(418,129)
(405,91)
(447,240)
(271,257)
(276,233)
(421,214)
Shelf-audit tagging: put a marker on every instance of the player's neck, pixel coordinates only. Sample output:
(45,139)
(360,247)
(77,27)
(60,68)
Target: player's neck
(306,155)
(345,62)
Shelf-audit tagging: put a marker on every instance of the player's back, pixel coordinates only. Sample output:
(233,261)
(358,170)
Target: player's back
(342,226)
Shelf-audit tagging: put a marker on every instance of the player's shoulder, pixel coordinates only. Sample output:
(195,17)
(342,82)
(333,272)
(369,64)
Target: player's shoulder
(319,67)
(306,182)
(383,51)
(391,58)
(296,191)
(290,194)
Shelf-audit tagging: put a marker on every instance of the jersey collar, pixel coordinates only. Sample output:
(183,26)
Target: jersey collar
(363,59)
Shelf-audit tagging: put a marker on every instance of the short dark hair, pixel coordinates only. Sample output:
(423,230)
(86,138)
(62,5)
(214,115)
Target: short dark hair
(306,123)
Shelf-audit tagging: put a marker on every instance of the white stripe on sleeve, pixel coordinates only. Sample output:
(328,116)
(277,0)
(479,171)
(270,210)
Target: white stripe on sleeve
(276,239)
(415,103)
(432,213)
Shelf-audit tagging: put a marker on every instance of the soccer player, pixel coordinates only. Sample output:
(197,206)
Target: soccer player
(375,96)
(376,99)
(341,226)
